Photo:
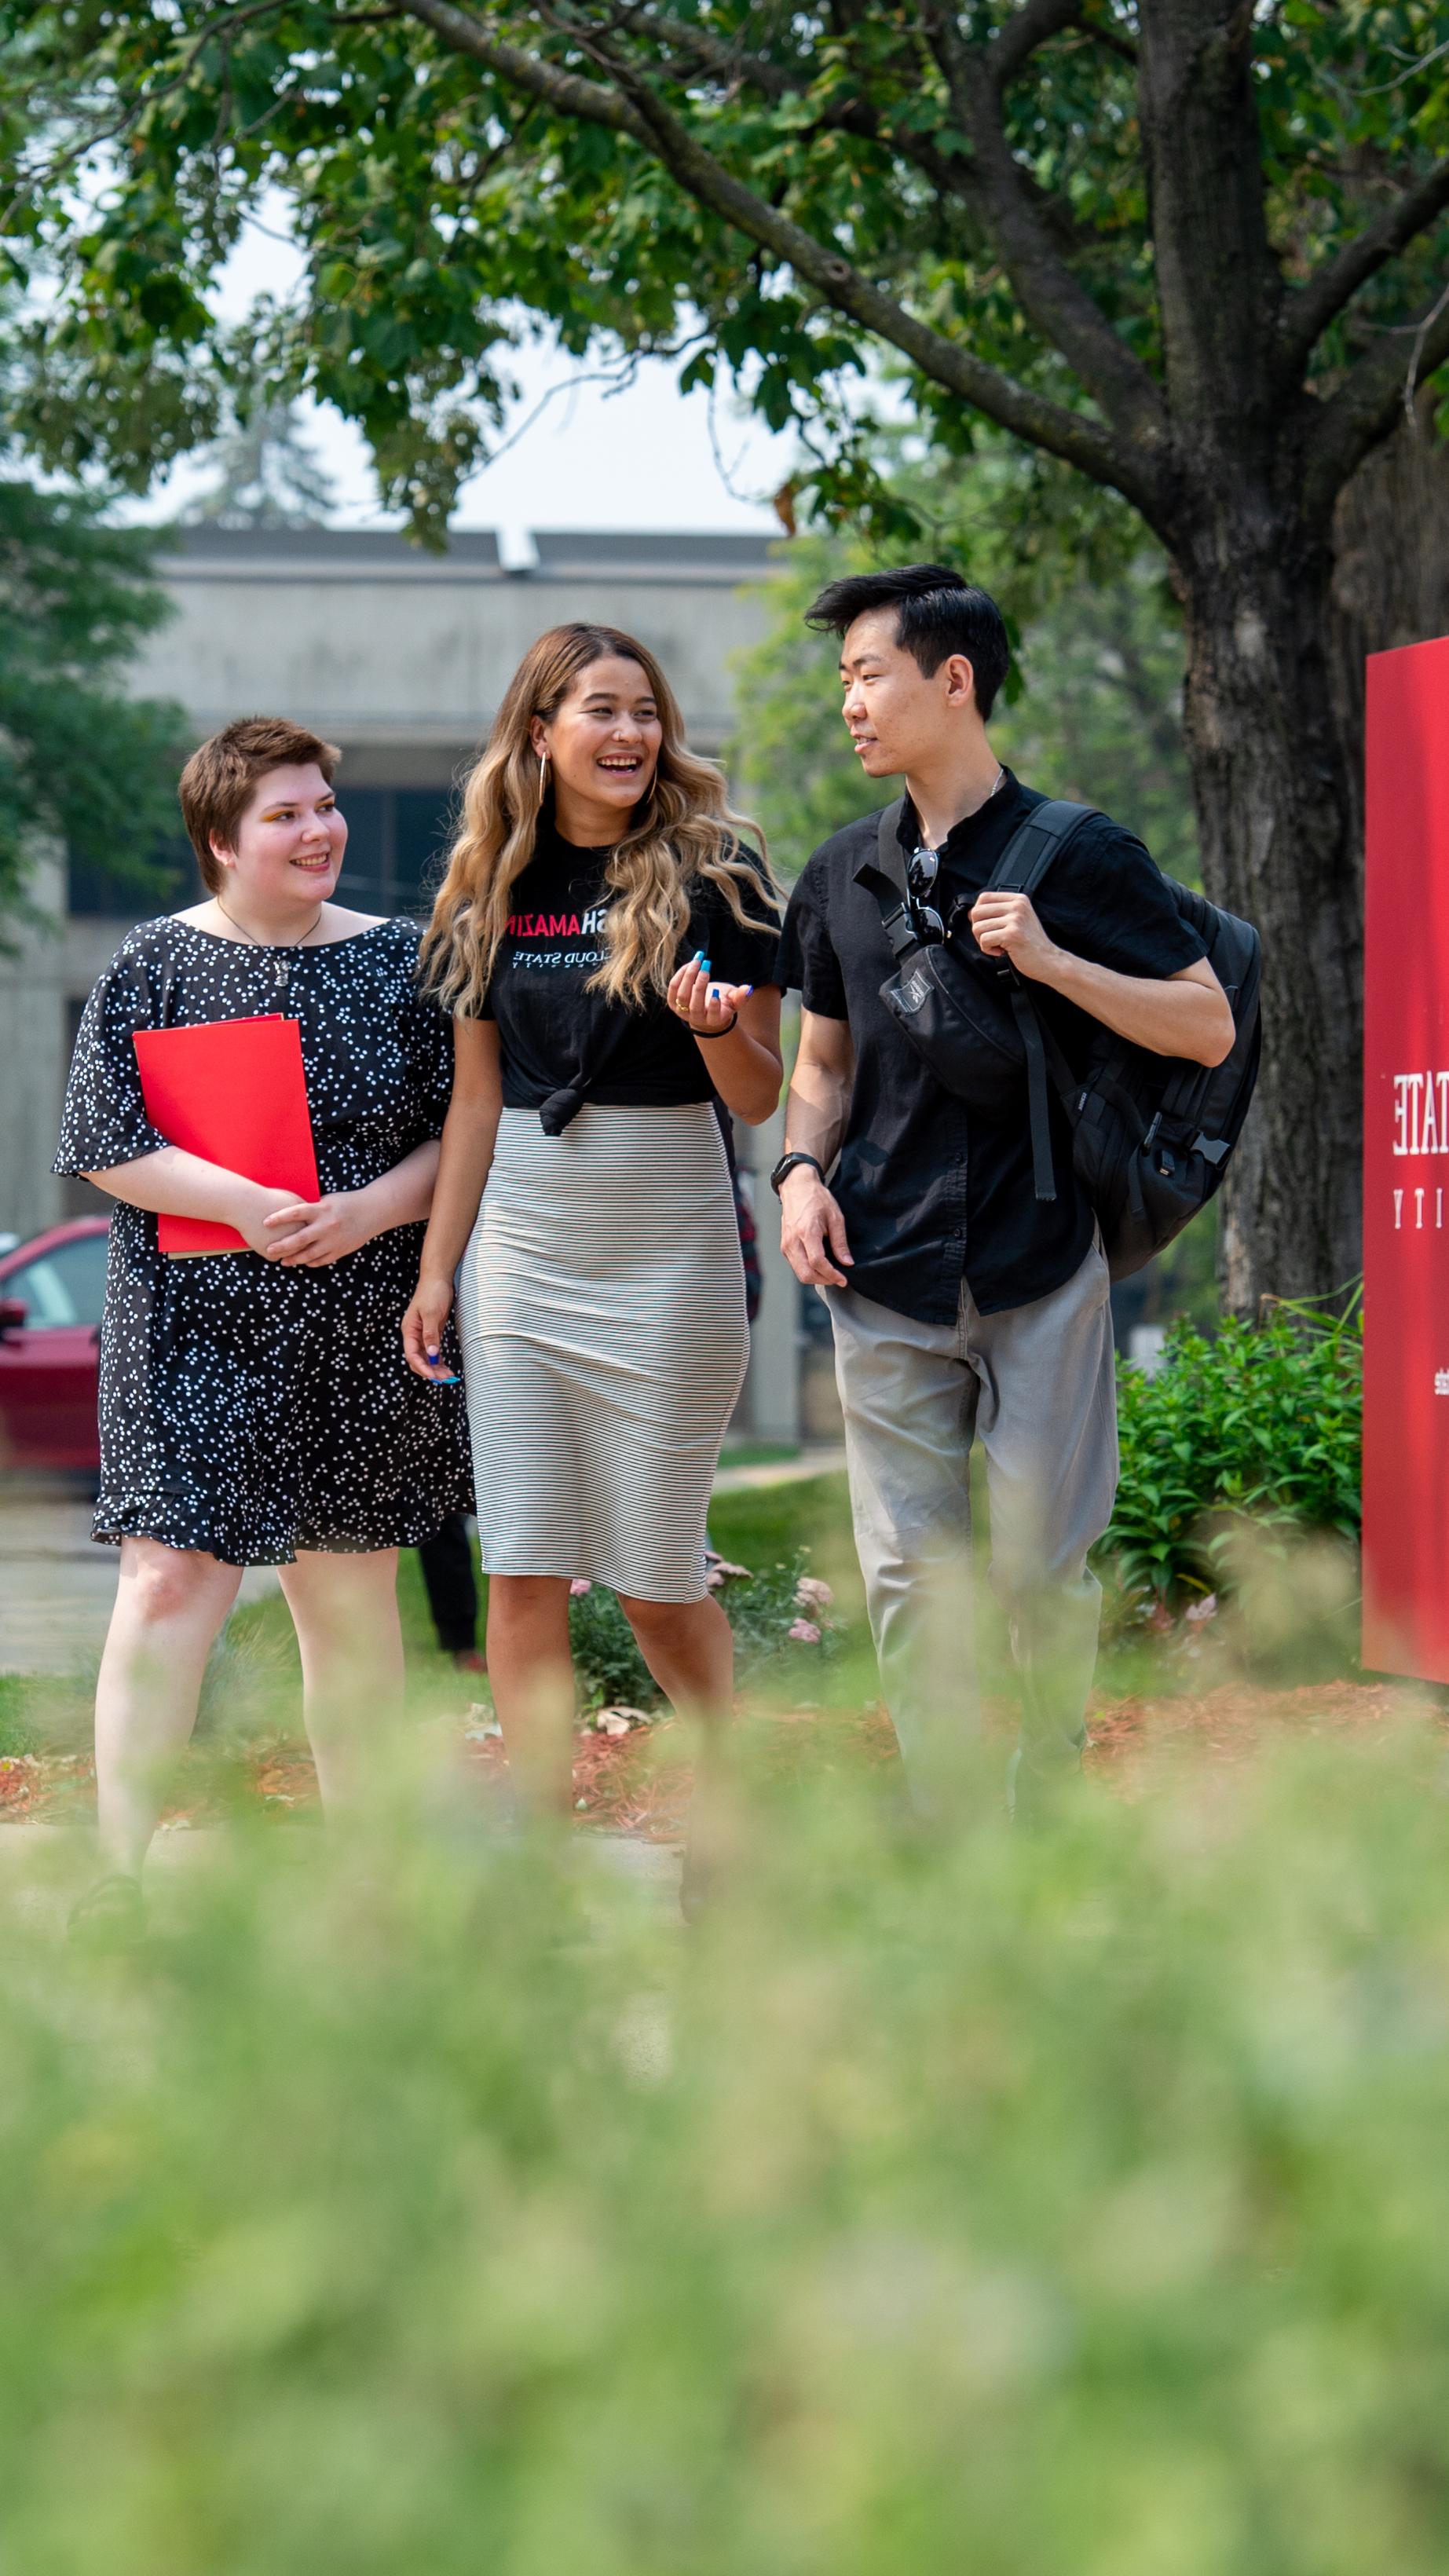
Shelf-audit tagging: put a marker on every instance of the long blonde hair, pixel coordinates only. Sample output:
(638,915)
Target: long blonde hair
(683,830)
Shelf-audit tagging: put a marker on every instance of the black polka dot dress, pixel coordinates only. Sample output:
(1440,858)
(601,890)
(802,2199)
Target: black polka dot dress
(248,1409)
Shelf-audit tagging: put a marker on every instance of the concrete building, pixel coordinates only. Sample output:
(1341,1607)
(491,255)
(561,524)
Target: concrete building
(400,658)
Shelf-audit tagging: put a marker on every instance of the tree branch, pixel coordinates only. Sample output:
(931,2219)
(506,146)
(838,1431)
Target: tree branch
(948,172)
(1034,417)
(1032,25)
(1097,34)
(1370,401)
(952,174)
(588,101)
(1307,315)
(1051,294)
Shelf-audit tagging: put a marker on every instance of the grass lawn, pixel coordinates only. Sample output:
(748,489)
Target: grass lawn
(1278,1665)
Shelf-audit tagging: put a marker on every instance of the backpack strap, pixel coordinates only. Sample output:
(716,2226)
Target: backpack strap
(888,844)
(1023,863)
(1033,1038)
(886,880)
(1036,843)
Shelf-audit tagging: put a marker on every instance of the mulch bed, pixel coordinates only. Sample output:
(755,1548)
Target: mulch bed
(1133,1738)
(639,1783)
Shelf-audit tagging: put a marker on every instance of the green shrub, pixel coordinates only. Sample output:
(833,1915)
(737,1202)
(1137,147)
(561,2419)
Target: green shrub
(1264,1421)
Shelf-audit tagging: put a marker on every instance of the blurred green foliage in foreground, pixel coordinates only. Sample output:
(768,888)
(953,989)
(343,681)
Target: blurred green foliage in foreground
(1075,2205)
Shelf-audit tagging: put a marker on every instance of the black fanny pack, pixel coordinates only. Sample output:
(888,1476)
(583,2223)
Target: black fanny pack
(954,1007)
(966,1032)
(969,1018)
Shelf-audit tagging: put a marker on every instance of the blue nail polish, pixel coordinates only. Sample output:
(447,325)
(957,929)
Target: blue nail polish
(699,957)
(704,962)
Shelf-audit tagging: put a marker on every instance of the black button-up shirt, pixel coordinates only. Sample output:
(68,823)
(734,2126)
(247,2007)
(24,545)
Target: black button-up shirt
(933,1193)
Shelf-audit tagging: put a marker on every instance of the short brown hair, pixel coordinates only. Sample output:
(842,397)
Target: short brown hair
(216,785)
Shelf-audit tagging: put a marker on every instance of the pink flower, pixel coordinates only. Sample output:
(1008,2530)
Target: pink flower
(805,1632)
(812,1594)
(579,1586)
(714,1580)
(727,1572)
(1198,1611)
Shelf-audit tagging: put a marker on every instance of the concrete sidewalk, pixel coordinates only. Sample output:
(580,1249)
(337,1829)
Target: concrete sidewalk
(826,1458)
(56,1585)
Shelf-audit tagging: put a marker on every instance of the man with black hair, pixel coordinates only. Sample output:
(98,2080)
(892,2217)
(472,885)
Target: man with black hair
(963,1306)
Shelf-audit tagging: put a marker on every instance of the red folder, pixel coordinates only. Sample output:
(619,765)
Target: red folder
(233,1092)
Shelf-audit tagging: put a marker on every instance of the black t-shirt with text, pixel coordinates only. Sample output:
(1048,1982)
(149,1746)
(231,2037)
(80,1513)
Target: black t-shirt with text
(934,1193)
(551,1030)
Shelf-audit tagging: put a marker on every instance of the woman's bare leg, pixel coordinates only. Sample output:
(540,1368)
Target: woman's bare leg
(344,1609)
(171,1604)
(532,1675)
(689,1648)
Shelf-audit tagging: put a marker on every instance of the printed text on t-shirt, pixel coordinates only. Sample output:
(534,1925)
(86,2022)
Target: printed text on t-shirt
(557,925)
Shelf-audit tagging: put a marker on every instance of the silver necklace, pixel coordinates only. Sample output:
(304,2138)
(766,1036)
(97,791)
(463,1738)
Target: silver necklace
(281,970)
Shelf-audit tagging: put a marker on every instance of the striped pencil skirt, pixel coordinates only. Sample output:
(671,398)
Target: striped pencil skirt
(601,1308)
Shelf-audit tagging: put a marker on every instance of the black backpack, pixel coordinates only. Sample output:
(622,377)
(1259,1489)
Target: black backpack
(1151,1134)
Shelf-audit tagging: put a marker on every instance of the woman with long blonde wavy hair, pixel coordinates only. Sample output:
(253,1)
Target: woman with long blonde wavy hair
(605,940)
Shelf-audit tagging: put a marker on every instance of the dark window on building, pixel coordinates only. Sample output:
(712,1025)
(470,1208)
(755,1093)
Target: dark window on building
(168,879)
(424,831)
(397,846)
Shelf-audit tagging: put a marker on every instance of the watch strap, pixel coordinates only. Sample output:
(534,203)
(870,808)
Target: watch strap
(787,1163)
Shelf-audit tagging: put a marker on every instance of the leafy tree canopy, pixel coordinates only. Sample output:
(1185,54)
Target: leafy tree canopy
(773,191)
(79,761)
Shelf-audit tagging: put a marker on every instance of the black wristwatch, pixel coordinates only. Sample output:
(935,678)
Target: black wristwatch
(787,1163)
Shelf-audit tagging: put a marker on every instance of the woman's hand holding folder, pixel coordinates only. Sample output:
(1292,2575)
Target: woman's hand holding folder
(295,1233)
(174,1183)
(310,1234)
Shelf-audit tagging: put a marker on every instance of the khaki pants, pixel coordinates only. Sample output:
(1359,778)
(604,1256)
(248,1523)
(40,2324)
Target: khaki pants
(1037,1387)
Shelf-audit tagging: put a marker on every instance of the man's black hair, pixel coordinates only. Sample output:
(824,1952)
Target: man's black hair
(939,614)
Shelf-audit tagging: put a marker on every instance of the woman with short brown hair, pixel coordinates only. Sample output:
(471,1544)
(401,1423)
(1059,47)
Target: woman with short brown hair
(605,938)
(254,1406)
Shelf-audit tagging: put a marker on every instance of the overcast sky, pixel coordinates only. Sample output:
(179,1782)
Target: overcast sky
(643,458)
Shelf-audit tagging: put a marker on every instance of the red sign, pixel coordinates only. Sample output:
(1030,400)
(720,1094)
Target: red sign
(1406,1165)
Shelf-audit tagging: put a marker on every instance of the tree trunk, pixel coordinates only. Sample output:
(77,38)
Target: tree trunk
(1390,574)
(1278,625)
(1271,783)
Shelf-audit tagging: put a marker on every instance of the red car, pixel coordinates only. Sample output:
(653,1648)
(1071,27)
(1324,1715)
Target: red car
(51,1292)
